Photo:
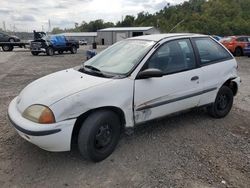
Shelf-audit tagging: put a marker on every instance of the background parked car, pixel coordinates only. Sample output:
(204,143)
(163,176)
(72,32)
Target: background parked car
(247,50)
(83,42)
(236,44)
(8,38)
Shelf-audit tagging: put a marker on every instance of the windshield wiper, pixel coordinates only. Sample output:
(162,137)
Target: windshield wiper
(97,71)
(92,68)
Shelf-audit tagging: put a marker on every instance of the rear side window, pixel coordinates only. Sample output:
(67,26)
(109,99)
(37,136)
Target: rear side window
(210,51)
(242,39)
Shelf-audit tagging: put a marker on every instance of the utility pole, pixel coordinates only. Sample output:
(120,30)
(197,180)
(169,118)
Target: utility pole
(49,26)
(4,26)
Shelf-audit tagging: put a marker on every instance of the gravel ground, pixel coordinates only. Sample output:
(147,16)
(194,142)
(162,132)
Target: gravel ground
(189,150)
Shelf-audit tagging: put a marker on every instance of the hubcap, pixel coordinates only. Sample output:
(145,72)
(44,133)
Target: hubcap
(6,47)
(103,136)
(222,102)
(50,52)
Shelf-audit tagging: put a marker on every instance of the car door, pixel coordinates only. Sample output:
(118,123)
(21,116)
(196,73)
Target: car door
(177,90)
(241,41)
(216,64)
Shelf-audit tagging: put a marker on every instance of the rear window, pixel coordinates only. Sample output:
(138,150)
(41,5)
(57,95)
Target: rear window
(210,51)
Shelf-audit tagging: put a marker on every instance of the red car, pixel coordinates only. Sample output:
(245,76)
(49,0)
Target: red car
(236,44)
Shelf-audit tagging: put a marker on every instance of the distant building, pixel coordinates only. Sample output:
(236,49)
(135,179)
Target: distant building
(90,37)
(112,35)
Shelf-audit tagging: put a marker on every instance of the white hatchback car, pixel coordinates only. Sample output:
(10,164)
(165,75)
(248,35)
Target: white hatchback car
(131,82)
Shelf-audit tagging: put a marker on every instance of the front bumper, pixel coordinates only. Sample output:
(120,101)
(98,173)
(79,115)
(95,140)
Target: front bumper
(43,50)
(50,137)
(247,51)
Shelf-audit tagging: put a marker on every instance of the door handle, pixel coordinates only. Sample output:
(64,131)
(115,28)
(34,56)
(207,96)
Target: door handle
(195,78)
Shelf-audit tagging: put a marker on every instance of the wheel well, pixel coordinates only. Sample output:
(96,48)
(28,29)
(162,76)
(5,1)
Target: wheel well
(232,85)
(83,116)
(239,47)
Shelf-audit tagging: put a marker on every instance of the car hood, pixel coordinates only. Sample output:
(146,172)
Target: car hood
(54,87)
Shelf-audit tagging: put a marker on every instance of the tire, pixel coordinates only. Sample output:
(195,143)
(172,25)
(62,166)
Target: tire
(35,53)
(73,50)
(238,52)
(60,52)
(223,103)
(99,135)
(50,51)
(11,40)
(7,48)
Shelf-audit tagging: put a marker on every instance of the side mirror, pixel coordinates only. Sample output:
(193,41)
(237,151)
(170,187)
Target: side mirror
(150,73)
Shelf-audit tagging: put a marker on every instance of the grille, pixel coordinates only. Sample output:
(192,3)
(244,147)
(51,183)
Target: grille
(36,45)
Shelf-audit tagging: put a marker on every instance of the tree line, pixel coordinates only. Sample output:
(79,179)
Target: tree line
(218,17)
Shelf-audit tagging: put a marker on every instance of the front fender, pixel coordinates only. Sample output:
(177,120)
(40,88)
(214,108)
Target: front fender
(118,94)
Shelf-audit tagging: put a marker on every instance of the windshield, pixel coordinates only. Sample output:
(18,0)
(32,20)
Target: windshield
(121,57)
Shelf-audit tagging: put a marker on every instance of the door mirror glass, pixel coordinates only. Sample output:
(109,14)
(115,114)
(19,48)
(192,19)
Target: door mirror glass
(150,73)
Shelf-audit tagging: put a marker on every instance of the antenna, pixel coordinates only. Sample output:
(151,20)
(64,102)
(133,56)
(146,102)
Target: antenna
(176,25)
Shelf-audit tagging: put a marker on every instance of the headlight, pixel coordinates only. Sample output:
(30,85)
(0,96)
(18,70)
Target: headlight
(39,114)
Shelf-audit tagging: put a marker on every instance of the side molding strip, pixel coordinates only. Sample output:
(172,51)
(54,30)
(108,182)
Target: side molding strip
(174,100)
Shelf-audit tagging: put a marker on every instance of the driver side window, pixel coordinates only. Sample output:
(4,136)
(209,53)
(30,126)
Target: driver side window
(172,57)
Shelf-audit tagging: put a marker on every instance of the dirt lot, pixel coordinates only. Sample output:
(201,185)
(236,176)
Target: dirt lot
(190,150)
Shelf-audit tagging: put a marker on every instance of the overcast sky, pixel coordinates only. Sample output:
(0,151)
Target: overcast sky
(27,15)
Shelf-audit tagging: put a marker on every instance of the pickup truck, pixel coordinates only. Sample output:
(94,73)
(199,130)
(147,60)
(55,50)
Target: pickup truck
(50,44)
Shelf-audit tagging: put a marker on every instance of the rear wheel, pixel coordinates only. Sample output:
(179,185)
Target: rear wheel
(11,40)
(238,52)
(7,48)
(223,103)
(73,50)
(35,53)
(50,51)
(99,135)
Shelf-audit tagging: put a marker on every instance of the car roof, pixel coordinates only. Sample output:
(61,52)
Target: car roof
(158,37)
(236,36)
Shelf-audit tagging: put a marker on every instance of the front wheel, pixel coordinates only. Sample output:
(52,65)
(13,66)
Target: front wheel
(99,135)
(223,103)
(50,51)
(238,52)
(73,50)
